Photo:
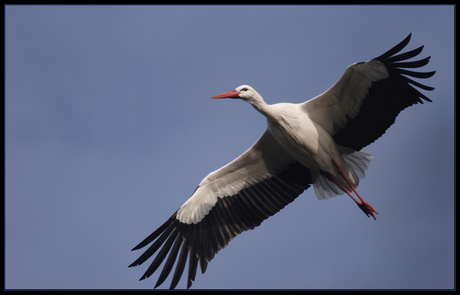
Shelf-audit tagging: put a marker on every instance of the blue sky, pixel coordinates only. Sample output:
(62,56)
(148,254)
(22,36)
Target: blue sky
(110,128)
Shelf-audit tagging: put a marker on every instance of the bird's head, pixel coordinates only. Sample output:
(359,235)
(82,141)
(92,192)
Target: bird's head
(244,92)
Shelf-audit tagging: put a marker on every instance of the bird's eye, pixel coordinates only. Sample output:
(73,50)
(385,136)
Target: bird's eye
(244,89)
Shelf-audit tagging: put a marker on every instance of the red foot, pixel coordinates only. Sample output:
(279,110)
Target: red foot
(367,209)
(363,205)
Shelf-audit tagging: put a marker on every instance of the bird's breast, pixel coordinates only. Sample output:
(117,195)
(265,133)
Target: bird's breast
(299,136)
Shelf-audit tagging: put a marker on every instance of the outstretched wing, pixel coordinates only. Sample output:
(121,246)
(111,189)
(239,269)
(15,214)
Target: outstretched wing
(233,199)
(366,100)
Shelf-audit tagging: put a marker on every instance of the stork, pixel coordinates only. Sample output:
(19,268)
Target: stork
(317,142)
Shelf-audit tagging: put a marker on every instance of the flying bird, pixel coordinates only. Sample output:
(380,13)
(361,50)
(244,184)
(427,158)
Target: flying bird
(317,143)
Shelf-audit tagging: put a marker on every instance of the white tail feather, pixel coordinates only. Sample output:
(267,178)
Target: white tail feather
(356,161)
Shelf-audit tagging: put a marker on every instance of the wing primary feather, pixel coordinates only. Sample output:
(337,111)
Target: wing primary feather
(171,259)
(203,264)
(160,257)
(412,64)
(153,248)
(395,49)
(211,239)
(193,258)
(180,262)
(420,95)
(421,75)
(403,56)
(419,85)
(202,245)
(156,233)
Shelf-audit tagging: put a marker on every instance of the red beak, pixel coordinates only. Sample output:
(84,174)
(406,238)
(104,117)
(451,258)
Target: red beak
(228,94)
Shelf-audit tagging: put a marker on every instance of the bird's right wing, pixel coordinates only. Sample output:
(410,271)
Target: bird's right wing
(365,101)
(230,200)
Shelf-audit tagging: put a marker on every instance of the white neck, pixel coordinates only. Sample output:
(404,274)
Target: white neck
(262,107)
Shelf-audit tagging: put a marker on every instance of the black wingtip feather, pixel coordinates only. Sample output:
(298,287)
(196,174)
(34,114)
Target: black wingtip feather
(413,64)
(180,263)
(153,248)
(417,84)
(395,49)
(161,255)
(387,97)
(170,261)
(156,233)
(192,266)
(403,56)
(421,75)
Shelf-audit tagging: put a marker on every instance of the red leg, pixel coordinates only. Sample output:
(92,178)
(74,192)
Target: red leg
(363,205)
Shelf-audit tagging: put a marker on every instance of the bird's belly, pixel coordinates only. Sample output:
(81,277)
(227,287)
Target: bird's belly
(308,144)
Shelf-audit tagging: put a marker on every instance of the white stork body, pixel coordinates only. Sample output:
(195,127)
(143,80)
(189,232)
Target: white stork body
(316,142)
(292,136)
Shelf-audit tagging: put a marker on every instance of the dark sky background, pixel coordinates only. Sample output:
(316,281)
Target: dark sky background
(110,128)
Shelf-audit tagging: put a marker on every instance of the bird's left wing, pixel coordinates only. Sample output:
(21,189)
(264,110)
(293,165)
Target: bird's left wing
(365,101)
(230,200)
